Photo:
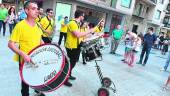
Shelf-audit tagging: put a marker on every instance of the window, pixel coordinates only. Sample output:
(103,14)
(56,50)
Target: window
(157,14)
(138,9)
(168,7)
(126,3)
(161,1)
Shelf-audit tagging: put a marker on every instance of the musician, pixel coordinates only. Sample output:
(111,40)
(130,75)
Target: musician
(100,27)
(63,30)
(83,28)
(27,36)
(40,15)
(47,25)
(72,41)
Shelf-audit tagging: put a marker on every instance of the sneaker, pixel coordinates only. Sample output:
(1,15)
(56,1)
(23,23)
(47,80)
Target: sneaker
(67,84)
(72,78)
(38,93)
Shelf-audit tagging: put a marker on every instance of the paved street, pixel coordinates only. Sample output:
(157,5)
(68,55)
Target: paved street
(136,81)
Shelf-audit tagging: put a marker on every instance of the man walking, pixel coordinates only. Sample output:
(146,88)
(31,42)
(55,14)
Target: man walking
(117,35)
(149,40)
(3,17)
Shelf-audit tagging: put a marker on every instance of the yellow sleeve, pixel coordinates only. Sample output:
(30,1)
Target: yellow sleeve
(73,26)
(96,29)
(15,36)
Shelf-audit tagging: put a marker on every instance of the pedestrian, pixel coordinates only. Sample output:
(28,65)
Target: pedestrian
(47,25)
(165,44)
(72,41)
(166,63)
(3,18)
(149,40)
(116,37)
(21,14)
(63,30)
(25,37)
(11,19)
(161,39)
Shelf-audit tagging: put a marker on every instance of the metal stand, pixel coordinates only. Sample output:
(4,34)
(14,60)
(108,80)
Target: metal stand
(105,82)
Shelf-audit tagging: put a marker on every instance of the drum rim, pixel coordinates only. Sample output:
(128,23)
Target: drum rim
(57,75)
(67,75)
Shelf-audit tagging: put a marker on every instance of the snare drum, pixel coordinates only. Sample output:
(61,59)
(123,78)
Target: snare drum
(92,52)
(49,70)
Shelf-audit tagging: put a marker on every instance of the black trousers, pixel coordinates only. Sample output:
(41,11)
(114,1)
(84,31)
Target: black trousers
(62,34)
(46,39)
(73,54)
(24,86)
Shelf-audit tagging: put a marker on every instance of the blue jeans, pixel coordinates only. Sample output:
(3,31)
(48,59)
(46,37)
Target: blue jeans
(146,50)
(11,27)
(167,62)
(2,23)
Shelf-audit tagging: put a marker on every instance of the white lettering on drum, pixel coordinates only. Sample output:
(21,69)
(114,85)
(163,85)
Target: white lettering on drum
(53,50)
(50,76)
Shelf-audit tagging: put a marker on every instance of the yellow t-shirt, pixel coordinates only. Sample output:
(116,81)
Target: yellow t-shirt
(98,29)
(71,40)
(63,28)
(26,36)
(38,19)
(45,24)
(82,38)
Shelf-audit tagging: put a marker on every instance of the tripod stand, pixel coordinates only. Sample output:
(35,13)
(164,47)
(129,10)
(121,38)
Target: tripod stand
(105,82)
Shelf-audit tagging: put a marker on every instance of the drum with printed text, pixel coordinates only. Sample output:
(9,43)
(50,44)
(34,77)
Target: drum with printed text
(49,68)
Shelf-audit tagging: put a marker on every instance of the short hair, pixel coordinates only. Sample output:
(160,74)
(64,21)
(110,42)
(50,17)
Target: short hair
(26,4)
(48,10)
(65,17)
(150,28)
(78,13)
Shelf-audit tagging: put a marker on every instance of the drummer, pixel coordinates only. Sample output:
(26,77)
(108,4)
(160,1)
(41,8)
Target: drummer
(72,41)
(83,28)
(100,27)
(27,36)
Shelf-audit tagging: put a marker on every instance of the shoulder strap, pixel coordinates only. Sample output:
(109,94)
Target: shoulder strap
(49,23)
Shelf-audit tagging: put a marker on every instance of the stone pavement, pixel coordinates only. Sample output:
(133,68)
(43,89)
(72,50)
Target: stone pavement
(136,81)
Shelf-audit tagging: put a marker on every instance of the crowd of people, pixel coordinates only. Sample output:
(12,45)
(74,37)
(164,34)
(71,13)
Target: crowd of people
(31,27)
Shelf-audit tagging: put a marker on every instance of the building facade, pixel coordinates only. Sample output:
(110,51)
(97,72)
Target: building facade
(166,22)
(113,11)
(147,13)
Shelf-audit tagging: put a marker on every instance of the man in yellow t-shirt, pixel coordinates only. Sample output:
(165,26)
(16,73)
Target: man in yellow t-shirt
(100,27)
(40,15)
(72,41)
(47,25)
(63,30)
(27,35)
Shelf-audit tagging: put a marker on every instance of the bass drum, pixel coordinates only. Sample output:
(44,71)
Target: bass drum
(49,68)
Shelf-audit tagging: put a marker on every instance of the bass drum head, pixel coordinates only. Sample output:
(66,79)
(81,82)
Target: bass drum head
(48,64)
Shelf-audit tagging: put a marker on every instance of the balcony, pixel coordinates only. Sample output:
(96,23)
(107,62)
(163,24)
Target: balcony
(150,2)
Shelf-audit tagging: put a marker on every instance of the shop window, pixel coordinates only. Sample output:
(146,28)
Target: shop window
(126,3)
(157,14)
